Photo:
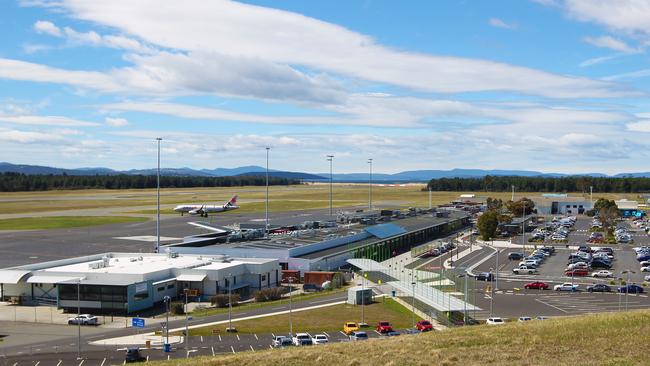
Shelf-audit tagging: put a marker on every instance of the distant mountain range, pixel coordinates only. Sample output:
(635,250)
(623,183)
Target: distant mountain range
(407,176)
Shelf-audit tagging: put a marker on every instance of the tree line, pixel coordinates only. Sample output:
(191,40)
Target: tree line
(17,182)
(542,184)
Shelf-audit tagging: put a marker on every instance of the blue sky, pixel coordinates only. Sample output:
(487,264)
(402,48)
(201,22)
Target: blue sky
(550,85)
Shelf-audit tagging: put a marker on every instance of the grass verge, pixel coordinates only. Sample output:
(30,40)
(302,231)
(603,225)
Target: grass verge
(614,339)
(63,222)
(328,319)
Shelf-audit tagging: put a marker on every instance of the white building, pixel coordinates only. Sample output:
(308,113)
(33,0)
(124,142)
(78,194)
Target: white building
(128,282)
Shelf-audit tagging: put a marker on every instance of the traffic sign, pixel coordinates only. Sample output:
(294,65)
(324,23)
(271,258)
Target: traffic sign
(163,325)
(137,322)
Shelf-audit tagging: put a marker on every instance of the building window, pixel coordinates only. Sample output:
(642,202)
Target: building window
(142,296)
(161,288)
(263,277)
(170,286)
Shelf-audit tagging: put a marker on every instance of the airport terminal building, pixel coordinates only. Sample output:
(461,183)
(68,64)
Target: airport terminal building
(129,282)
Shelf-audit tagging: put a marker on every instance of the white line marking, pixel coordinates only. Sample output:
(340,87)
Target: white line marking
(15,364)
(82,361)
(37,363)
(326,334)
(272,335)
(168,357)
(233,349)
(147,358)
(201,339)
(345,335)
(553,306)
(256,337)
(252,349)
(219,337)
(238,337)
(377,332)
(60,361)
(104,360)
(270,346)
(212,350)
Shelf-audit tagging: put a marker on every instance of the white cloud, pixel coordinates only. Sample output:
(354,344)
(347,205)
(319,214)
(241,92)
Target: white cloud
(629,75)
(639,126)
(44,26)
(628,16)
(35,47)
(262,36)
(46,121)
(598,60)
(116,122)
(28,137)
(499,23)
(611,43)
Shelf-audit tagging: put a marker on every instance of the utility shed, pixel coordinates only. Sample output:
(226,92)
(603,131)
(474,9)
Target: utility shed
(359,295)
(317,278)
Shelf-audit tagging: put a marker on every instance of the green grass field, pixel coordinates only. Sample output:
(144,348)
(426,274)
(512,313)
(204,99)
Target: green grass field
(328,319)
(63,222)
(601,339)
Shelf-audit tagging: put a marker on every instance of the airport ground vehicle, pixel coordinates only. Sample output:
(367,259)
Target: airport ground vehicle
(350,327)
(84,319)
(424,326)
(567,286)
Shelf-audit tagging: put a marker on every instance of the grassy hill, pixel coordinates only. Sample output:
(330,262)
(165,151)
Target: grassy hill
(600,339)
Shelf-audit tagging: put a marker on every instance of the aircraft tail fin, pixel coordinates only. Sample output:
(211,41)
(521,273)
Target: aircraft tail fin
(232,202)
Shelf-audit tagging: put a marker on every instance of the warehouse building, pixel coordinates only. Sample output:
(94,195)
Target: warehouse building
(129,282)
(561,204)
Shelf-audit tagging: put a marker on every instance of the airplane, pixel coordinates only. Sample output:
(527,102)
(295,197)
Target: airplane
(204,210)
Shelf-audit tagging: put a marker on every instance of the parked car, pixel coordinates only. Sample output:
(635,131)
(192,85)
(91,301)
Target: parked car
(647,278)
(602,274)
(358,336)
(320,339)
(515,256)
(134,355)
(567,286)
(494,321)
(484,276)
(302,339)
(84,319)
(524,319)
(310,287)
(537,285)
(384,327)
(524,270)
(393,333)
(600,264)
(282,341)
(541,317)
(350,327)
(577,265)
(424,326)
(578,272)
(631,289)
(599,288)
(645,269)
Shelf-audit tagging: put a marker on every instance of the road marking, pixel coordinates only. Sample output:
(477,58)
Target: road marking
(345,335)
(319,301)
(377,332)
(238,337)
(256,337)
(104,360)
(168,357)
(252,349)
(553,306)
(273,335)
(82,361)
(201,339)
(233,349)
(37,363)
(219,337)
(15,364)
(212,350)
(58,364)
(270,346)
(326,334)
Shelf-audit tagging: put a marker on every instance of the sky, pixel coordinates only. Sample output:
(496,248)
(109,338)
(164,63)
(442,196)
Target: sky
(548,85)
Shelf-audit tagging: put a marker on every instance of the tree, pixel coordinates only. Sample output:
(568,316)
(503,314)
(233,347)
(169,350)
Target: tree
(608,217)
(487,224)
(494,203)
(517,208)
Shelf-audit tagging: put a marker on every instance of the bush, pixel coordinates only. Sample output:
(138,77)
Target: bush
(177,308)
(269,294)
(337,280)
(221,301)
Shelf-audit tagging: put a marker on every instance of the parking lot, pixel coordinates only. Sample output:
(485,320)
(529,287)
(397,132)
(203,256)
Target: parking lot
(198,346)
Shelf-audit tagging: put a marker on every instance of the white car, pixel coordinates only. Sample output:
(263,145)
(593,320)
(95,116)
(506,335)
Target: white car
(567,286)
(602,274)
(577,265)
(302,339)
(647,278)
(524,270)
(525,318)
(644,263)
(84,319)
(281,341)
(320,339)
(645,269)
(494,321)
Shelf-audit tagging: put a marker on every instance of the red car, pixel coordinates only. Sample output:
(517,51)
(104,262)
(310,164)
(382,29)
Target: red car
(578,272)
(384,327)
(424,326)
(536,286)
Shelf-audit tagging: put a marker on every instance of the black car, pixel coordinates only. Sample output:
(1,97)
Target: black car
(133,355)
(599,288)
(600,264)
(549,250)
(515,256)
(484,276)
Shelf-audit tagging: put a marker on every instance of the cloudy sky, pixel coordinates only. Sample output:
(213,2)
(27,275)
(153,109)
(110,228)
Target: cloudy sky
(550,85)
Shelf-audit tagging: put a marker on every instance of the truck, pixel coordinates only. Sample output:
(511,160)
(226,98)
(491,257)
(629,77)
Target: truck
(524,270)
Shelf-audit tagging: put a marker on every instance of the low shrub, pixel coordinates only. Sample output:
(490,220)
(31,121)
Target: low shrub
(221,301)
(269,294)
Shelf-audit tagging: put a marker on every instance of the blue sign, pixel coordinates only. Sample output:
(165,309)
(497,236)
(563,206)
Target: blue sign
(137,322)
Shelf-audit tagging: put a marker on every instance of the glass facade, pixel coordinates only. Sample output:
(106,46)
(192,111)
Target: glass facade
(111,297)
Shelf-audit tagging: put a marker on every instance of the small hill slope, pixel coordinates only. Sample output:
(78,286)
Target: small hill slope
(600,339)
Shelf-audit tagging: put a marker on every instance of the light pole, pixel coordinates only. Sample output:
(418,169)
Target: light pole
(627,284)
(266,230)
(413,304)
(430,198)
(330,158)
(167,305)
(187,330)
(370,186)
(591,197)
(513,193)
(491,295)
(78,319)
(290,279)
(158,139)
(229,303)
(363,298)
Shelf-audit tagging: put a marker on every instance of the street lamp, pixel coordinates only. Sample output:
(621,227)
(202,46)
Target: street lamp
(627,284)
(370,186)
(413,303)
(266,230)
(330,158)
(167,300)
(230,328)
(363,298)
(158,139)
(79,319)
(491,294)
(187,328)
(290,279)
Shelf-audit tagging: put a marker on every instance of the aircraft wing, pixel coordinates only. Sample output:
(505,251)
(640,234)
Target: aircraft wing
(207,226)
